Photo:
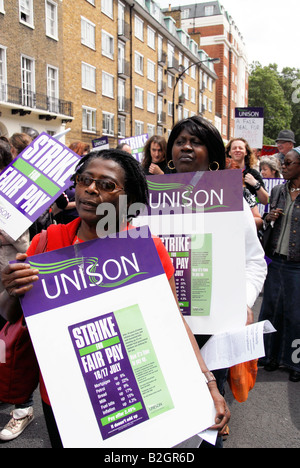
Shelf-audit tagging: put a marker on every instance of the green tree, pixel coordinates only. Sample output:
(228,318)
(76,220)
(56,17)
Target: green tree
(265,90)
(290,83)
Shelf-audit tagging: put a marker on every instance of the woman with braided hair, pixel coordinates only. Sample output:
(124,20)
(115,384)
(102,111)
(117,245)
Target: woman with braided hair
(101,177)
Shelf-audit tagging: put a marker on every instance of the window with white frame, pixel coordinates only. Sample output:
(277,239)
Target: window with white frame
(52,89)
(107,84)
(139,97)
(150,70)
(180,58)
(186,64)
(210,105)
(225,90)
(139,127)
(107,45)
(170,80)
(139,63)
(150,102)
(159,109)
(108,123)
(171,54)
(159,48)
(3,76)
(209,10)
(193,95)
(121,95)
(170,108)
(28,81)
(51,19)
(193,72)
(88,119)
(180,87)
(159,130)
(121,18)
(2,6)
(26,12)
(185,13)
(139,28)
(121,126)
(150,130)
(88,33)
(179,111)
(88,76)
(151,37)
(107,8)
(186,89)
(121,57)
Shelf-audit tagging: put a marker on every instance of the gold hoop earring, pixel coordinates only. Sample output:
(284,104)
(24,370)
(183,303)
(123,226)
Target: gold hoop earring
(171,168)
(217,166)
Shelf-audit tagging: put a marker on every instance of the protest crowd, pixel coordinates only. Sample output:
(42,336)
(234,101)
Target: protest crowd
(272,241)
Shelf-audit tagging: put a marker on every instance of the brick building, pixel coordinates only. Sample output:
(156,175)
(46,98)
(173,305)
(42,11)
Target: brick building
(99,67)
(31,67)
(121,67)
(220,37)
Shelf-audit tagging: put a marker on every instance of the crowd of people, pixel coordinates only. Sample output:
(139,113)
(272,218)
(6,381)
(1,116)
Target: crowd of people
(193,145)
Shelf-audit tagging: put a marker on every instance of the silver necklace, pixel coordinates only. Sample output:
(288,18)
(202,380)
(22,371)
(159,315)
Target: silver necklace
(295,190)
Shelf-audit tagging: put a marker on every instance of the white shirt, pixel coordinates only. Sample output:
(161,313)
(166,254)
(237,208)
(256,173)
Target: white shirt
(256,266)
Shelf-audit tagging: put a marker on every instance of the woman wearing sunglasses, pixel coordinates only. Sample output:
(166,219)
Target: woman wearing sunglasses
(101,177)
(281,304)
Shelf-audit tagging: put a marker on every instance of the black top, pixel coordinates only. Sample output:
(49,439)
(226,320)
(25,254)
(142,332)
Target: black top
(256,176)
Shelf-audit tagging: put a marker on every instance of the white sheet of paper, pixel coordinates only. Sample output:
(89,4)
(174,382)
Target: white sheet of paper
(225,350)
(209,436)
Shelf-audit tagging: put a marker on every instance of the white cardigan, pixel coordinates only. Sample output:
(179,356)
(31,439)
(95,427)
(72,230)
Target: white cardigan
(256,266)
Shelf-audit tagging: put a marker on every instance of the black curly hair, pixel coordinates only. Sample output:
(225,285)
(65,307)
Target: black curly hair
(136,187)
(5,154)
(206,132)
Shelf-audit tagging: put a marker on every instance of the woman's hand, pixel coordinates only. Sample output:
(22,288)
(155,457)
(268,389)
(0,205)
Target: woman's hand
(222,410)
(250,316)
(274,215)
(18,278)
(155,170)
(249,179)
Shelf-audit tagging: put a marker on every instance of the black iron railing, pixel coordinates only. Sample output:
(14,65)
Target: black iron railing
(21,97)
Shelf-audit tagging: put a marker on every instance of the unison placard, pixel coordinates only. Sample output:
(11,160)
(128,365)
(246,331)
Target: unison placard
(107,343)
(33,181)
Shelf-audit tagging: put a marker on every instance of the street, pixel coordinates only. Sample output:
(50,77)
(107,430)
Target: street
(270,418)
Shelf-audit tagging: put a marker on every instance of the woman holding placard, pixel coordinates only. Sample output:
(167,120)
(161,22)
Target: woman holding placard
(239,150)
(101,177)
(196,145)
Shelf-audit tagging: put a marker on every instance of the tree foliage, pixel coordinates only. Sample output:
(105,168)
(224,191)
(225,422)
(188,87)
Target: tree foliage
(279,94)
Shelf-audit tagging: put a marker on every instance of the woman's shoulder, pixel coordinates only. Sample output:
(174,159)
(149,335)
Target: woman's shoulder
(55,237)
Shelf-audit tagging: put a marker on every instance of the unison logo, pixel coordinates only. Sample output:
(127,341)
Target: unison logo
(85,272)
(184,197)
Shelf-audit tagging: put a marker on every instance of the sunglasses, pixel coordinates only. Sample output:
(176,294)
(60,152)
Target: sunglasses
(102,185)
(289,163)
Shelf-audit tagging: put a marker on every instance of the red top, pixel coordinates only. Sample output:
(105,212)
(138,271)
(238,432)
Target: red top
(64,235)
